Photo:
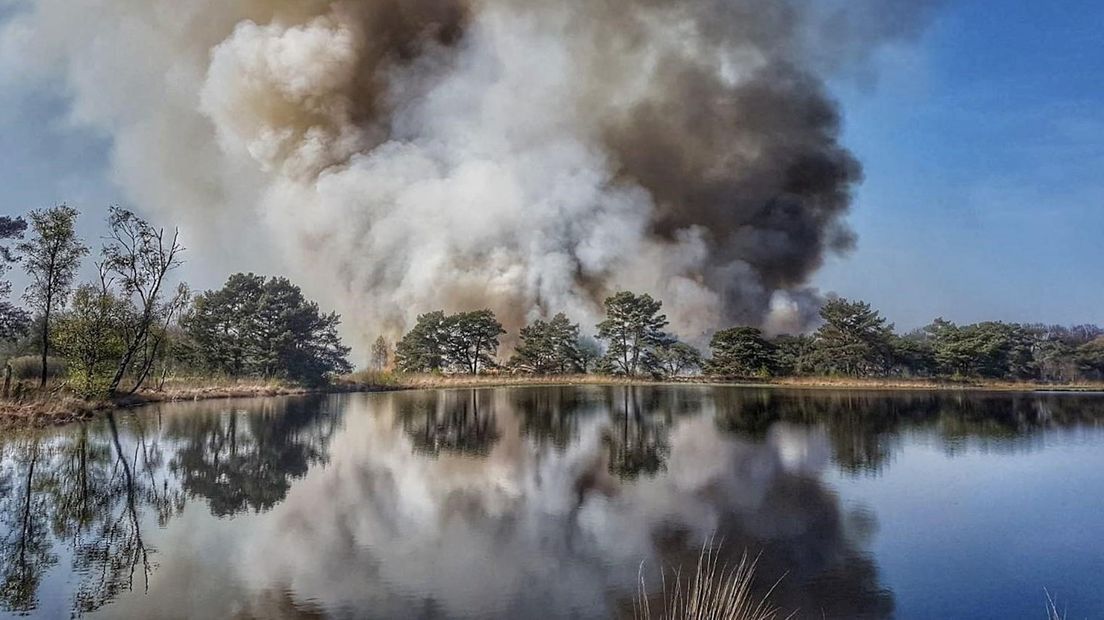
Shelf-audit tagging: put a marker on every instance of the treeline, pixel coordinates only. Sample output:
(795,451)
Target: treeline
(129,327)
(854,340)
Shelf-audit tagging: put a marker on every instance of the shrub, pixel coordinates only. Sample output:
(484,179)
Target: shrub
(29,367)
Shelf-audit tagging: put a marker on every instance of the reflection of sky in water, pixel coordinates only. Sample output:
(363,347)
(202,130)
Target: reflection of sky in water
(544,502)
(988,530)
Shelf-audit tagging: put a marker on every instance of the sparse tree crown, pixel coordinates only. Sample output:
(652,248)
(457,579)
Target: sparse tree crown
(632,329)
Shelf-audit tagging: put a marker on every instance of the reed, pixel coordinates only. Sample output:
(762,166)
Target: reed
(714,591)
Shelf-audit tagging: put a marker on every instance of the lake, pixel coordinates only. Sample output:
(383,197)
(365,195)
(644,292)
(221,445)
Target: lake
(556,502)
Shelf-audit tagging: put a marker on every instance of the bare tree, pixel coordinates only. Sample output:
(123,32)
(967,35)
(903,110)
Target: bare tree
(53,255)
(380,354)
(140,257)
(155,341)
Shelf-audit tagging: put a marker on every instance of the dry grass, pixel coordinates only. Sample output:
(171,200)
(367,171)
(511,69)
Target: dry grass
(1052,608)
(41,412)
(909,384)
(404,381)
(713,592)
(55,405)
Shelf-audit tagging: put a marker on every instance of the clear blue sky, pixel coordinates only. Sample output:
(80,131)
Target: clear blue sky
(984,152)
(984,155)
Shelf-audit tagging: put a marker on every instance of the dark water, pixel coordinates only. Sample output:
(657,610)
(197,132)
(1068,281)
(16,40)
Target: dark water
(545,502)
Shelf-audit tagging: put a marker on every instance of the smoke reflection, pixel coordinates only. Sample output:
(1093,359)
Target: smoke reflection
(501,503)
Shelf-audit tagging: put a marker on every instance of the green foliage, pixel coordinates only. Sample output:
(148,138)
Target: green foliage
(854,339)
(90,338)
(13,319)
(794,355)
(51,257)
(991,350)
(912,355)
(261,327)
(473,340)
(1089,358)
(589,353)
(632,330)
(549,347)
(221,325)
(466,341)
(740,352)
(675,358)
(424,348)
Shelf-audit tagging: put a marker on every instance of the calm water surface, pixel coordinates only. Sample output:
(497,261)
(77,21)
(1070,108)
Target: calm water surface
(544,503)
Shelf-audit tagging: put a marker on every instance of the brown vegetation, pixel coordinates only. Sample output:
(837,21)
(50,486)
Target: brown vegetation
(712,591)
(54,405)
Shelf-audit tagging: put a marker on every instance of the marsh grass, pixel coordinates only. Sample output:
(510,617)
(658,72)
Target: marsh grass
(1052,608)
(714,591)
(57,405)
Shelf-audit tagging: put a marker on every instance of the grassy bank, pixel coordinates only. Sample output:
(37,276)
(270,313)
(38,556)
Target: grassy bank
(921,384)
(55,405)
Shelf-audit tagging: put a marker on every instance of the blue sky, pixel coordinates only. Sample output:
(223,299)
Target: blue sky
(983,145)
(984,155)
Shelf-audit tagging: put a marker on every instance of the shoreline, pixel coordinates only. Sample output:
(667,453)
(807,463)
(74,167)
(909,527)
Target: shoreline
(66,409)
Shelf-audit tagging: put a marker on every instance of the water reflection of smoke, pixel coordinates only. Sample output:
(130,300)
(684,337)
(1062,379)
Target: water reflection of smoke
(384,529)
(328,504)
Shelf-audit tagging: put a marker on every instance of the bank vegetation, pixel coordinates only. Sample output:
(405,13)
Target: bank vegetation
(133,333)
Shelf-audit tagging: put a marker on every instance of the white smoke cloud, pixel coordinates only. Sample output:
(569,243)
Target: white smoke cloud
(532,157)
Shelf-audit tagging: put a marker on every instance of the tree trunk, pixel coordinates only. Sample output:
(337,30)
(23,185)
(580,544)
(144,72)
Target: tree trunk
(7,380)
(27,526)
(45,344)
(131,501)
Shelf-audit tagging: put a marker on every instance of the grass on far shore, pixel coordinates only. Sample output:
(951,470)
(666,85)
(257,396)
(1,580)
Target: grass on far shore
(393,380)
(57,405)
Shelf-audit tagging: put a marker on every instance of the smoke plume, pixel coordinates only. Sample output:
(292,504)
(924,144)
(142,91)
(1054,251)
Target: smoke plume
(398,156)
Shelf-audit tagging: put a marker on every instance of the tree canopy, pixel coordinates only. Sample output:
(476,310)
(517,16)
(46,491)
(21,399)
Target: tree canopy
(549,347)
(467,342)
(854,339)
(740,352)
(674,357)
(265,327)
(13,319)
(51,257)
(633,328)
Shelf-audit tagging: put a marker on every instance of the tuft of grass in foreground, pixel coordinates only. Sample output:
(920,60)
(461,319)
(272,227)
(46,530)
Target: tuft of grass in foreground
(1052,608)
(713,592)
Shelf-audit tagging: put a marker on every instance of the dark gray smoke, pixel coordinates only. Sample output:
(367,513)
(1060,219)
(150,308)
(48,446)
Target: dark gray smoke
(527,155)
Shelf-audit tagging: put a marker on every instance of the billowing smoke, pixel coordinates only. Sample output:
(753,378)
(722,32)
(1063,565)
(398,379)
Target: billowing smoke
(398,156)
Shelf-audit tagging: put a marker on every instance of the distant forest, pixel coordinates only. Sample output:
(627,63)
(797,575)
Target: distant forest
(129,329)
(854,340)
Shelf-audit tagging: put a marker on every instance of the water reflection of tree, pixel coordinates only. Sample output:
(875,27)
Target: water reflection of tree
(746,412)
(638,438)
(245,460)
(865,427)
(459,422)
(552,415)
(89,494)
(25,549)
